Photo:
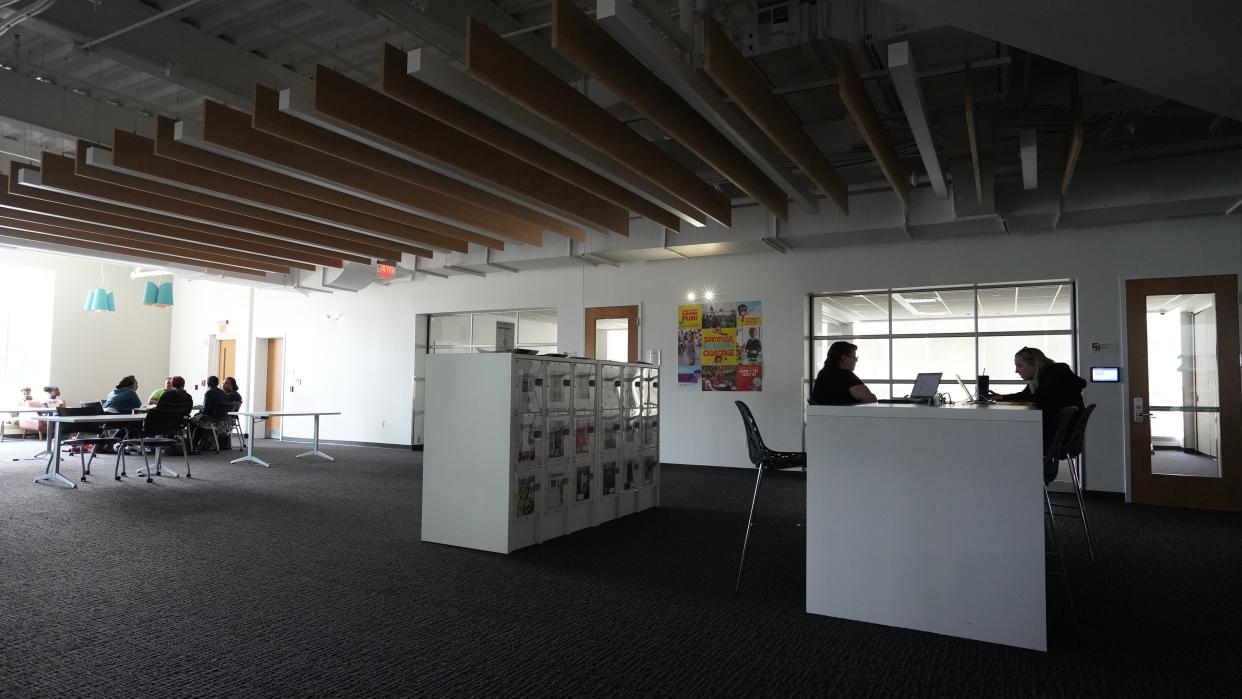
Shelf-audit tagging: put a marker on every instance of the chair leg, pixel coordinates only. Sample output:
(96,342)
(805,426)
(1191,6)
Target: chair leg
(116,472)
(216,436)
(1082,506)
(750,523)
(1056,544)
(145,460)
(82,458)
(120,459)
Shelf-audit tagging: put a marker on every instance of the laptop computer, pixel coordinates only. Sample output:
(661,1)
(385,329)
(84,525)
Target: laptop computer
(970,398)
(925,386)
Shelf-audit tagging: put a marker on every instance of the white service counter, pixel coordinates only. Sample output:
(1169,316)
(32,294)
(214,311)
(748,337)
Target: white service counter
(928,518)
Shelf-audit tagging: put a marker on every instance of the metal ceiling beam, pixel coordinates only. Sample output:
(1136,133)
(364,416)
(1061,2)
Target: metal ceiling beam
(270,119)
(51,107)
(642,40)
(972,136)
(591,49)
(862,111)
(1027,145)
(226,211)
(436,145)
(398,84)
(726,65)
(1074,146)
(228,132)
(910,93)
(436,73)
(500,64)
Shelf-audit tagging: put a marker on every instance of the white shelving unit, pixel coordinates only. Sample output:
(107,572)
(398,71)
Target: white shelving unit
(520,449)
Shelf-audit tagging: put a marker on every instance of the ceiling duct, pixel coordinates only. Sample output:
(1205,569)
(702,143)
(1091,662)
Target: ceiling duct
(352,277)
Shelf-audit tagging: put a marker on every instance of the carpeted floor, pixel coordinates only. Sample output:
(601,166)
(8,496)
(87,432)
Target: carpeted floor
(310,579)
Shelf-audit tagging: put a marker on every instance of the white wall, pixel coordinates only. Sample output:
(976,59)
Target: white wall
(92,351)
(369,354)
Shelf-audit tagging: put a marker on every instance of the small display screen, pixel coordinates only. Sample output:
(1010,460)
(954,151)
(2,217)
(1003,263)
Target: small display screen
(1105,374)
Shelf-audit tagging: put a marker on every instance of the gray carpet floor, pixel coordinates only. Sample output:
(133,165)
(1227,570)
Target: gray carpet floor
(309,579)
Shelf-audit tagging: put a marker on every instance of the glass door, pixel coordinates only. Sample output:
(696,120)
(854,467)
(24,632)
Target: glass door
(1183,413)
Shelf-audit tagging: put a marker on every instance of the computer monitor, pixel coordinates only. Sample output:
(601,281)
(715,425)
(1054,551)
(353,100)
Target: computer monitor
(925,385)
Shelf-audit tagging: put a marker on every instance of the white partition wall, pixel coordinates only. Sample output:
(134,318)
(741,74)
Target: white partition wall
(520,449)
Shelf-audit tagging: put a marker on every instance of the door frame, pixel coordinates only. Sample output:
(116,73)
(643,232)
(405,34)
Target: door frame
(1223,493)
(597,313)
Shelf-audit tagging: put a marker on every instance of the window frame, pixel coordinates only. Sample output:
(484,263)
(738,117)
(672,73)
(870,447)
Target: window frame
(476,348)
(814,361)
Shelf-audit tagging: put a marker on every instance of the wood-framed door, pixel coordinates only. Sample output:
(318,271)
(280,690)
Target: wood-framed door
(1185,394)
(626,314)
(275,382)
(226,358)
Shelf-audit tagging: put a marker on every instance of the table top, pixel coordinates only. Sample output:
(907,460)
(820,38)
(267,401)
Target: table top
(106,417)
(281,413)
(16,411)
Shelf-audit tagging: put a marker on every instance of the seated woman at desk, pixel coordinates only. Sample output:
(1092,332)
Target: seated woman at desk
(123,399)
(836,383)
(1050,386)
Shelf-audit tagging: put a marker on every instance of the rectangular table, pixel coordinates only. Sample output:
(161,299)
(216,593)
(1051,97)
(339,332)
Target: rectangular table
(928,518)
(53,472)
(258,416)
(14,412)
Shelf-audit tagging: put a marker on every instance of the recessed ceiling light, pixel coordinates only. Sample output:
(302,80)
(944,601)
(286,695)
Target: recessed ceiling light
(5,66)
(43,79)
(80,91)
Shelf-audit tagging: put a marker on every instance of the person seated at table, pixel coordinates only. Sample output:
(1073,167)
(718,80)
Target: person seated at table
(213,414)
(230,390)
(24,397)
(175,397)
(53,396)
(123,399)
(158,393)
(1050,386)
(836,383)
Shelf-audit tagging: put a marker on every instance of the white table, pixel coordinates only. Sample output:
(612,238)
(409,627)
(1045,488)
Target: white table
(24,411)
(928,518)
(53,473)
(258,416)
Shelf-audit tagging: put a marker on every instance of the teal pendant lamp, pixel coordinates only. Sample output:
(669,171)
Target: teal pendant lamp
(100,300)
(160,296)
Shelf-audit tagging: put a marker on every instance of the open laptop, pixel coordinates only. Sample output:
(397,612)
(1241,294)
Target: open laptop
(925,386)
(970,397)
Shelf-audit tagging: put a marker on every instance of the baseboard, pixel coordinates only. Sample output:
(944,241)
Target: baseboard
(346,443)
(1104,495)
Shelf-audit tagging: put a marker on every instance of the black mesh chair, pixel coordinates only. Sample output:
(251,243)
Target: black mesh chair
(764,459)
(233,425)
(1054,452)
(160,429)
(93,434)
(1073,454)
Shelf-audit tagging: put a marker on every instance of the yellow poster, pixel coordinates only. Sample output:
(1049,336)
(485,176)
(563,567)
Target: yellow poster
(720,347)
(689,316)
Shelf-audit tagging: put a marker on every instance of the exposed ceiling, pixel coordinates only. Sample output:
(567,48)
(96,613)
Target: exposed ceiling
(326,176)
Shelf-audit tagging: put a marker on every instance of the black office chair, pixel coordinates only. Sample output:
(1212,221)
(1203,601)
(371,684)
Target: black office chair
(764,459)
(160,428)
(1074,447)
(93,434)
(1057,449)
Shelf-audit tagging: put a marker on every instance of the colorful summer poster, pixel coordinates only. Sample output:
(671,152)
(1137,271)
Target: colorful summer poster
(720,345)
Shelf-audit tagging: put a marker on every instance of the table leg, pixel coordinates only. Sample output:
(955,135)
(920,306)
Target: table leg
(315,447)
(47,447)
(160,468)
(54,476)
(250,447)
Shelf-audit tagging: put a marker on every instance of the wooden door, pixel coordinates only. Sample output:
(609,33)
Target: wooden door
(1185,394)
(226,358)
(275,382)
(628,314)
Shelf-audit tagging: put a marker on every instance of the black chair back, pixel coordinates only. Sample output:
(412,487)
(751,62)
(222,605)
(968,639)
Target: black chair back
(81,427)
(161,423)
(1059,445)
(754,442)
(1078,436)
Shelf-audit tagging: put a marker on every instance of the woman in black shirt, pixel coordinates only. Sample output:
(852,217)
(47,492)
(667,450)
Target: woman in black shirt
(836,383)
(1050,386)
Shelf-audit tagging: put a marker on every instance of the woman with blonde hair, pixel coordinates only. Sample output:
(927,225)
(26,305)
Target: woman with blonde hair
(1050,386)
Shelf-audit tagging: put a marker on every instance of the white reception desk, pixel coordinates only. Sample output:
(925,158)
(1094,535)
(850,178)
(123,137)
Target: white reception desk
(928,518)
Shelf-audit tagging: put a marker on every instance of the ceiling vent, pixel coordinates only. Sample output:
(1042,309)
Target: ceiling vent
(352,277)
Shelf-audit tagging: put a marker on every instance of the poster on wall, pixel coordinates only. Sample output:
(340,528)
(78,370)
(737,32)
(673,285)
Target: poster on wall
(720,345)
